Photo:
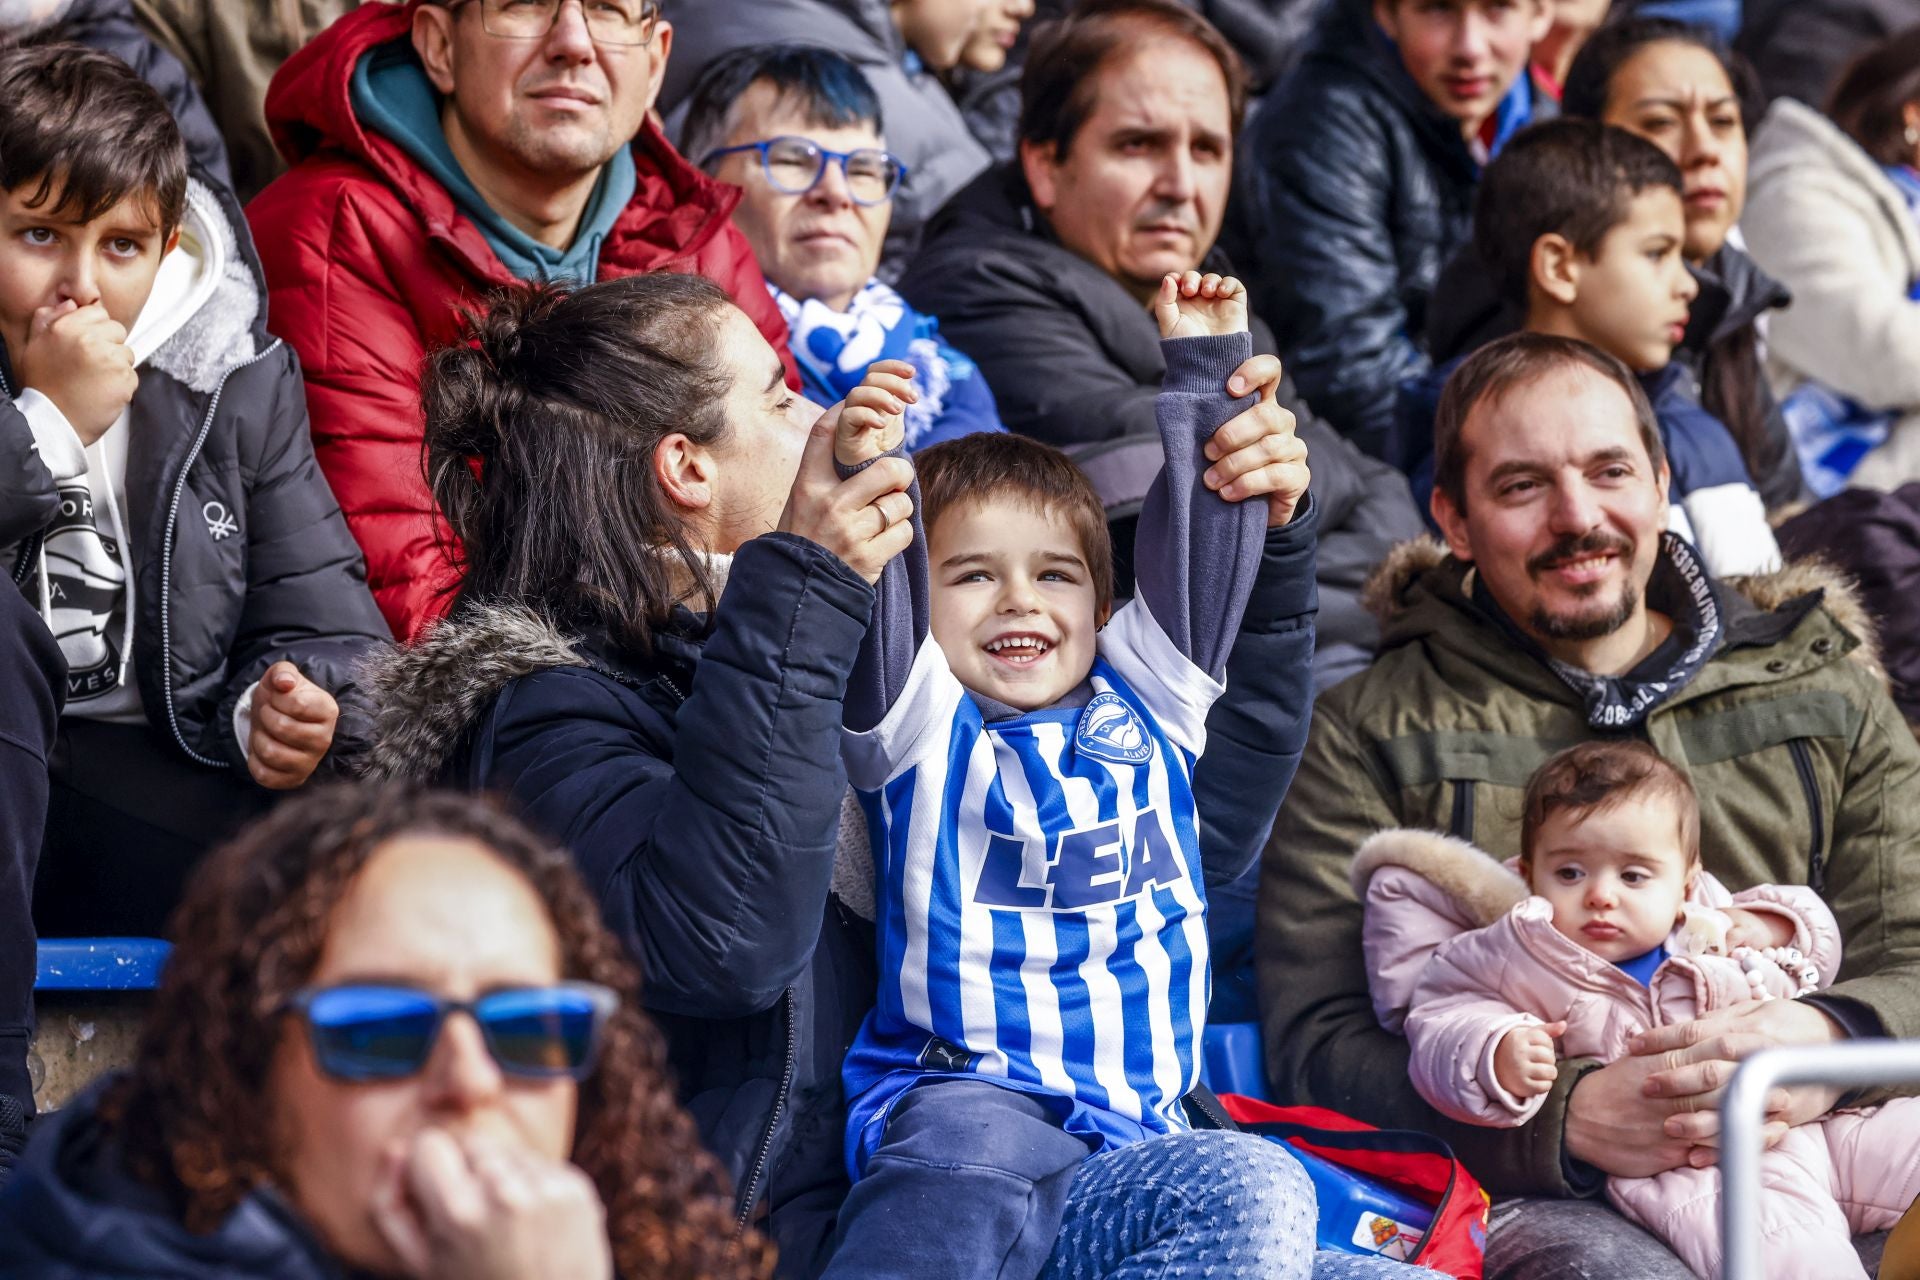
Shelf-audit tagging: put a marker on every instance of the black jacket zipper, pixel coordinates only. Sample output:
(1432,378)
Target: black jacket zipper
(750,1190)
(1816,813)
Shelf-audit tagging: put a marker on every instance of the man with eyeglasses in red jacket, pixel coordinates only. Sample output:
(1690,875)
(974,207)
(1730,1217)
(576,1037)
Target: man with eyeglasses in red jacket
(439,151)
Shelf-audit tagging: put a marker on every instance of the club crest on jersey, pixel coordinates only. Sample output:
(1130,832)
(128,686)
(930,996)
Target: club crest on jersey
(1111,730)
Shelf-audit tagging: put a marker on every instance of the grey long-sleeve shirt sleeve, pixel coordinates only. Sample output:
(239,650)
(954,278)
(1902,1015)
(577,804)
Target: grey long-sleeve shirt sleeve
(1196,554)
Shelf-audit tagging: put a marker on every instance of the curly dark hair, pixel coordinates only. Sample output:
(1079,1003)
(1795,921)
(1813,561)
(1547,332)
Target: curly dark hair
(192,1114)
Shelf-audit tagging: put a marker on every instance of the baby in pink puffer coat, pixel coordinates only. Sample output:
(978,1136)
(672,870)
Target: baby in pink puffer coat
(1615,928)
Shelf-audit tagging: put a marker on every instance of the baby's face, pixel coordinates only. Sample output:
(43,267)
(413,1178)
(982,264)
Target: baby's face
(1014,603)
(1617,877)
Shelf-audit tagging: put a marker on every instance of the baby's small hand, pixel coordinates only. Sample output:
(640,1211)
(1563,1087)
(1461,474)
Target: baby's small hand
(872,419)
(1757,929)
(1197,306)
(1524,1063)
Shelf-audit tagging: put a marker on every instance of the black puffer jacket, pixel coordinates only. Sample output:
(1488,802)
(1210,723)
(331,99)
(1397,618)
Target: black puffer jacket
(73,1212)
(1074,360)
(700,791)
(1353,191)
(241,557)
(1469,312)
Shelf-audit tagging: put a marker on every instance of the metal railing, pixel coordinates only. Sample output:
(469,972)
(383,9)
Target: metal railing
(1851,1065)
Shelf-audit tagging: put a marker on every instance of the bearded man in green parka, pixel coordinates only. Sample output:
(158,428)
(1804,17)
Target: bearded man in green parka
(1560,610)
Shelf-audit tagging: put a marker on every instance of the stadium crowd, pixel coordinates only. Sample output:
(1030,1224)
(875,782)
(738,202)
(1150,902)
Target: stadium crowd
(719,629)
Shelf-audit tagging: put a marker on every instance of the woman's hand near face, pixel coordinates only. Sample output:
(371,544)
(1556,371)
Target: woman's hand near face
(864,519)
(474,1208)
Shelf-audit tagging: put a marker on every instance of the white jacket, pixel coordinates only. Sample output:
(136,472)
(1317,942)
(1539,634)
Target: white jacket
(1825,220)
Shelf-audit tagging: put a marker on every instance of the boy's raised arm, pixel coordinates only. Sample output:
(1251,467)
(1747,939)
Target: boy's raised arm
(1199,543)
(869,425)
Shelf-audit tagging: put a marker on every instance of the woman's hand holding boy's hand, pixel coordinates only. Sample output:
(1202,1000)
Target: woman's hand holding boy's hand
(293,723)
(1256,453)
(864,519)
(1524,1063)
(872,419)
(78,358)
(1191,305)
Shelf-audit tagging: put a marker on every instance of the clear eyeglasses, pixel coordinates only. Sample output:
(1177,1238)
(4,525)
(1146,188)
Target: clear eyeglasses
(623,22)
(795,166)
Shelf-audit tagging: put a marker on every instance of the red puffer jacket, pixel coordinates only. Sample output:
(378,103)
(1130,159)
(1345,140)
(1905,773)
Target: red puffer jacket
(369,265)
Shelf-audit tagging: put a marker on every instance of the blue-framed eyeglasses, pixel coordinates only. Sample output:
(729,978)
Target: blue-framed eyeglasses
(368,1031)
(795,165)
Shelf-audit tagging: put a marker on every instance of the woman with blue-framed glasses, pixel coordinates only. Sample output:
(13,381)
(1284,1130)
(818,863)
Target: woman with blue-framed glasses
(798,130)
(393,1039)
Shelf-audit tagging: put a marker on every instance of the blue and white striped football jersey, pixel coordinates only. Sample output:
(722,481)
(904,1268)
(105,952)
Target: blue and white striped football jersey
(1041,912)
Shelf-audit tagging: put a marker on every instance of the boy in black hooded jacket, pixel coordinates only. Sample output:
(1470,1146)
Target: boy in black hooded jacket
(160,509)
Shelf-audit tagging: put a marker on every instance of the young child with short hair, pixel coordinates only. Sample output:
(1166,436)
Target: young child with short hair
(1024,754)
(1584,225)
(159,506)
(1618,929)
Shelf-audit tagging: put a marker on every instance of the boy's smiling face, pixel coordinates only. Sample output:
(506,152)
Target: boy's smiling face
(48,256)
(1015,609)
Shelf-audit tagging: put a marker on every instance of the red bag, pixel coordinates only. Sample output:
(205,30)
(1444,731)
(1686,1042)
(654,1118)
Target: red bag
(1417,1165)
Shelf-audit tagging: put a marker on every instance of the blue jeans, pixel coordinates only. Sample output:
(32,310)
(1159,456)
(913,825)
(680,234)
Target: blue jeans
(974,1180)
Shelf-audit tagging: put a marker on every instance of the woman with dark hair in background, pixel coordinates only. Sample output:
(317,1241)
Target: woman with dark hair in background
(1835,215)
(665,585)
(1678,87)
(393,1039)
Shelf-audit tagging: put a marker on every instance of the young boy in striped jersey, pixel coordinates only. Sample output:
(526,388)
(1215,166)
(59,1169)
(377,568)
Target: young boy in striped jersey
(1026,768)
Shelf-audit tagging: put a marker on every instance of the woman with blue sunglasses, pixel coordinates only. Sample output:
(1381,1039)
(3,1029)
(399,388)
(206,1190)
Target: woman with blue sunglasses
(393,1039)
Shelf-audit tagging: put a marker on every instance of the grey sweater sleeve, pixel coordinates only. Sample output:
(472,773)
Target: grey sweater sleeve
(902,618)
(1196,554)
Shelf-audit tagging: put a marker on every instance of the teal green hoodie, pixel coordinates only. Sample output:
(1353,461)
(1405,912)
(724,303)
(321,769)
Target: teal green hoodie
(392,96)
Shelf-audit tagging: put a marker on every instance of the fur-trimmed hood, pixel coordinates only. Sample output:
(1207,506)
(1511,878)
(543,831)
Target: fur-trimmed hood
(432,691)
(1395,586)
(430,694)
(1482,887)
(215,289)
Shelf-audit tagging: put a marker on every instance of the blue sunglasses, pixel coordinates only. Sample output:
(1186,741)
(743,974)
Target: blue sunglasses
(376,1032)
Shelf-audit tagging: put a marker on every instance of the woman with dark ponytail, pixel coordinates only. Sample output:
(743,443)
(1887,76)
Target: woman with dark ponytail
(1681,89)
(665,583)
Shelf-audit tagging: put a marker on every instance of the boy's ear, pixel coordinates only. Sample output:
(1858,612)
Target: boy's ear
(1554,268)
(173,242)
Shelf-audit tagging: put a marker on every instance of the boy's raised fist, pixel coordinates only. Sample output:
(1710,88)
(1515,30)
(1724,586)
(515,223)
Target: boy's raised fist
(78,358)
(1191,305)
(872,419)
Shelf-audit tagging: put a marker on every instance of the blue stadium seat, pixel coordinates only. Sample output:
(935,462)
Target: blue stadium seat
(100,964)
(1232,1060)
